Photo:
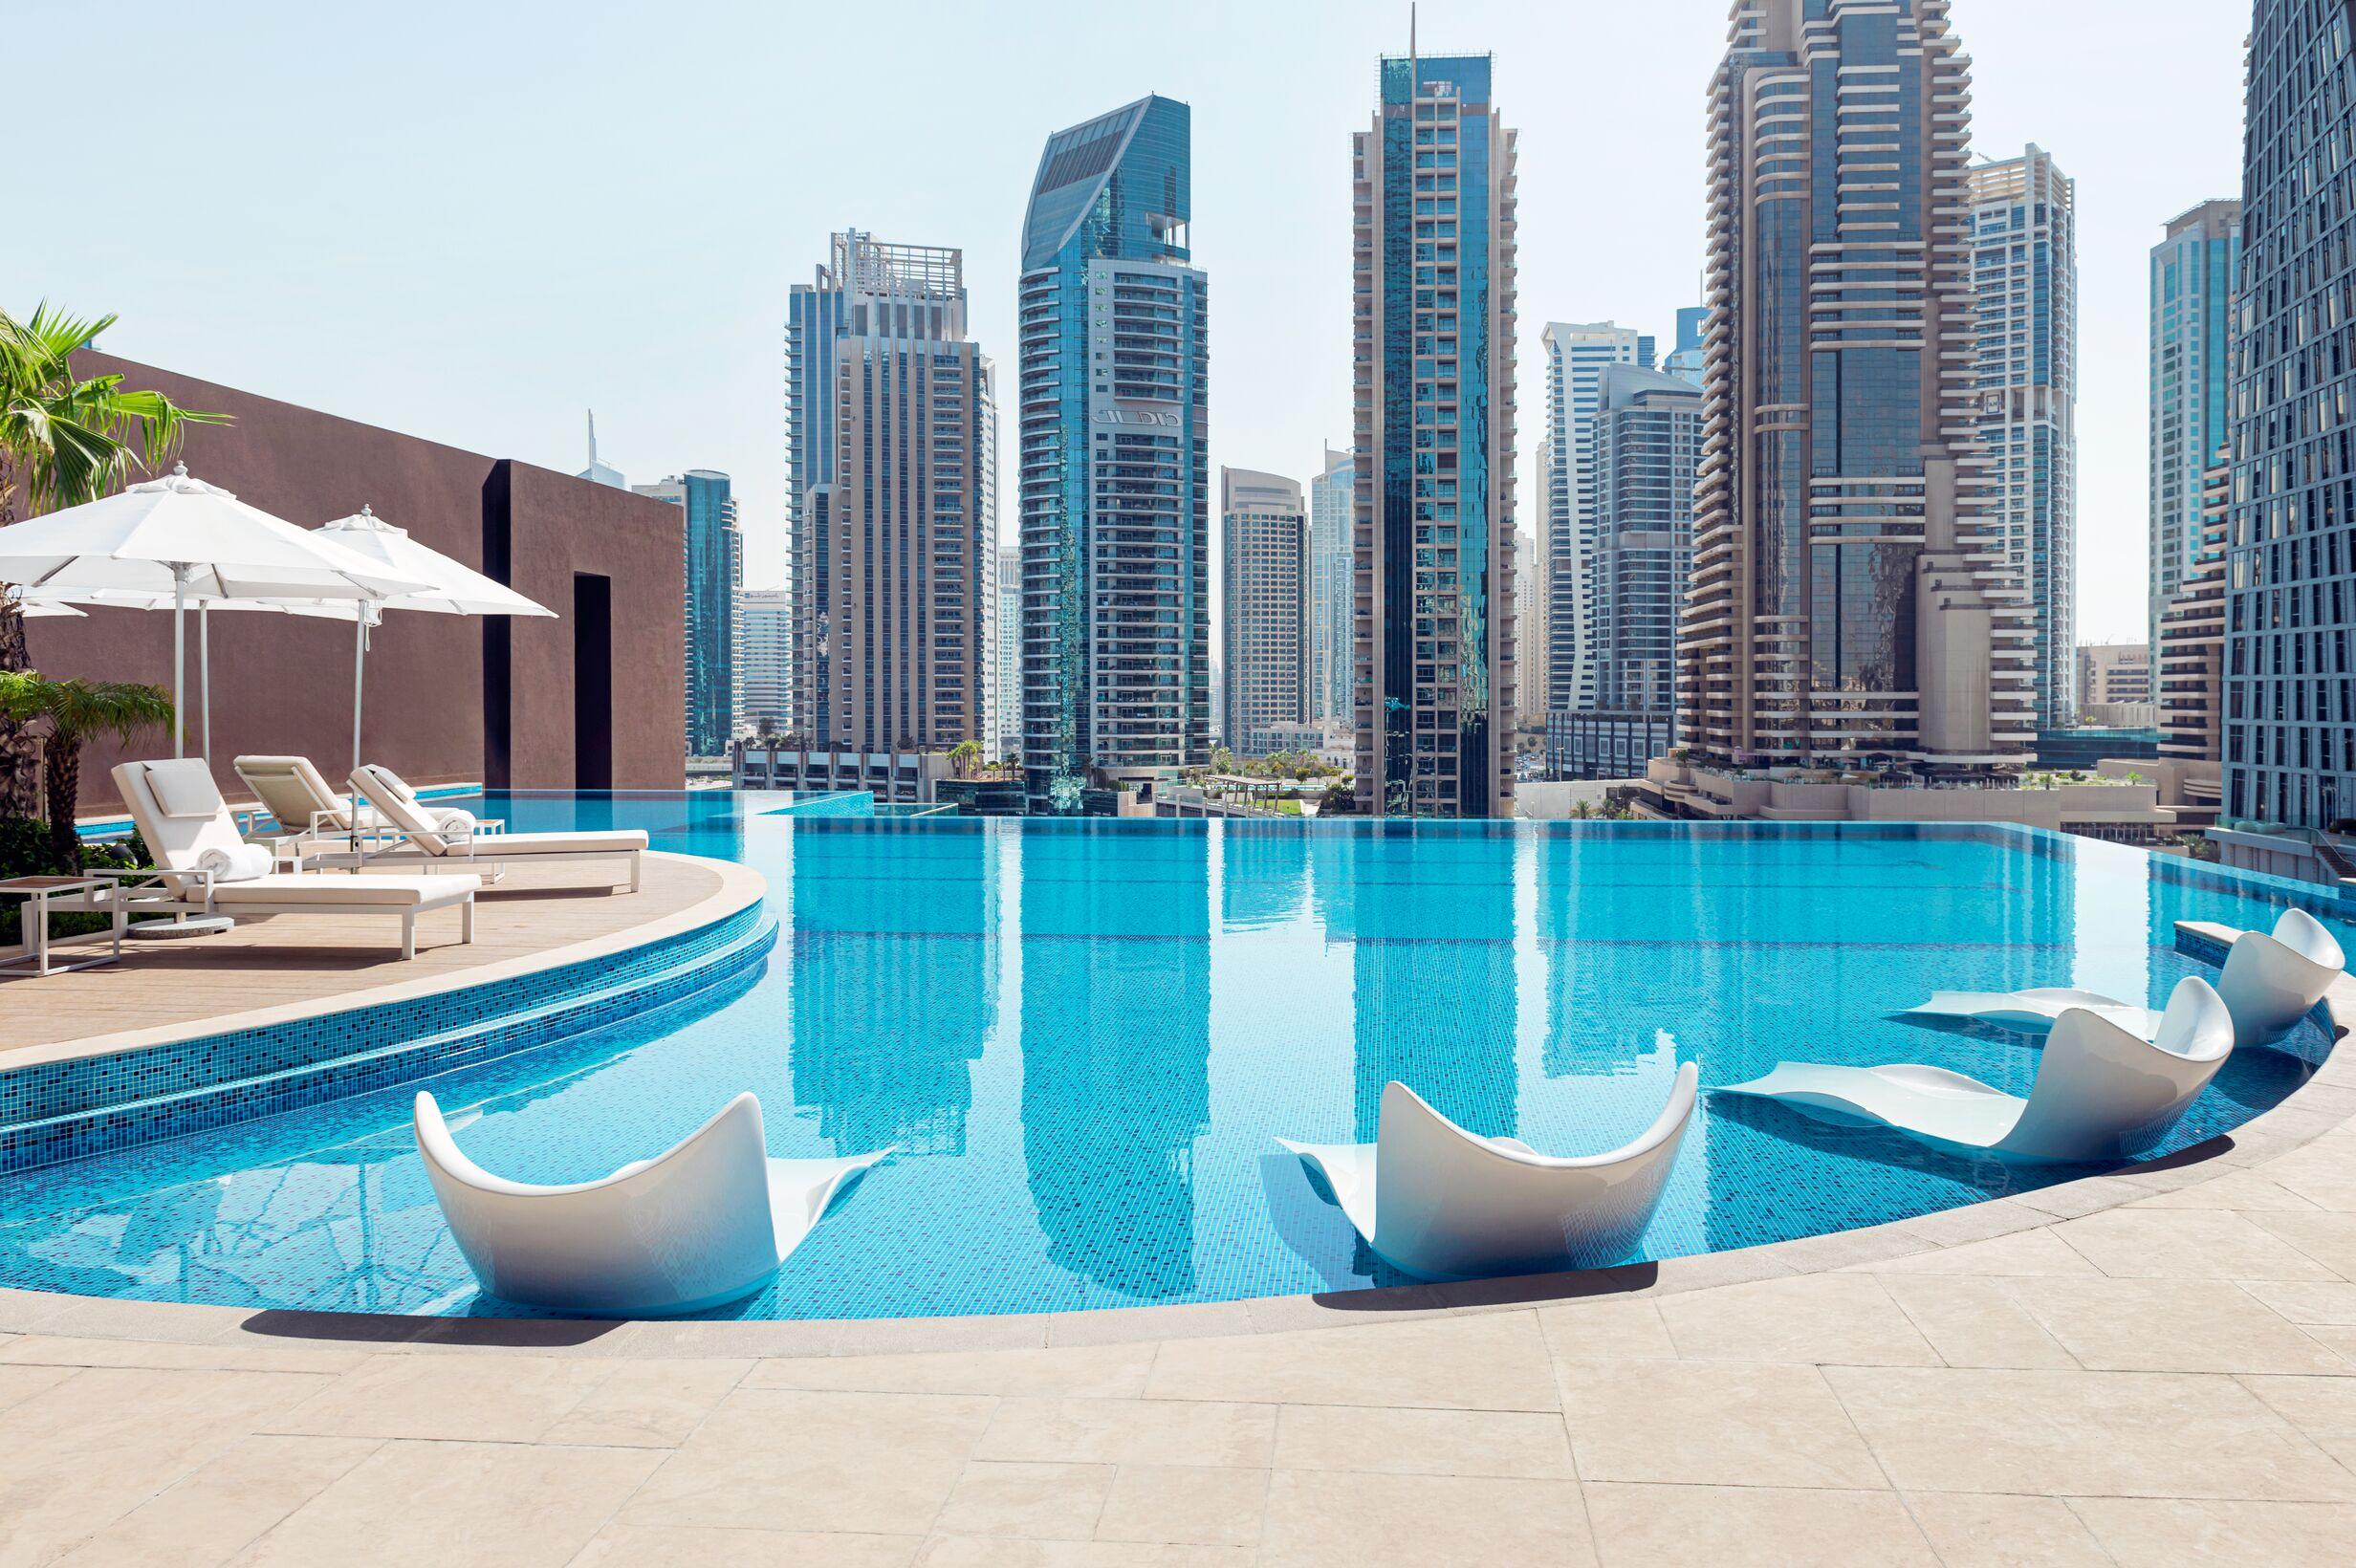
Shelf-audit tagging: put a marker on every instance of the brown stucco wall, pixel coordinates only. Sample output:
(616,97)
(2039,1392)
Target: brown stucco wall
(283,683)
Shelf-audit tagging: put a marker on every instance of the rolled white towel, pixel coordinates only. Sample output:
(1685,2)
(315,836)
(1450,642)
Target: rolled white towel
(244,863)
(454,820)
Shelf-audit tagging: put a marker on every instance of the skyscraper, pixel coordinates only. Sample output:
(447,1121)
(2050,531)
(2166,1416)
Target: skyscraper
(716,570)
(1687,361)
(1333,510)
(1435,221)
(2025,279)
(2192,271)
(891,476)
(2290,597)
(1264,555)
(1847,600)
(599,472)
(1116,464)
(1576,355)
(2190,638)
(1647,439)
(1009,652)
(764,650)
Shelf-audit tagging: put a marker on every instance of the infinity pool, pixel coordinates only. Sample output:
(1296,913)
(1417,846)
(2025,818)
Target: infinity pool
(1082,1039)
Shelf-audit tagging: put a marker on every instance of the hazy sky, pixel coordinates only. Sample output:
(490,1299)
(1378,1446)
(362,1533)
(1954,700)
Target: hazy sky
(472,220)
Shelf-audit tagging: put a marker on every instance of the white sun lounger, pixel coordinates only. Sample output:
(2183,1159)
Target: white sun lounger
(422,836)
(179,811)
(1438,1202)
(2101,1092)
(2269,984)
(295,792)
(702,1225)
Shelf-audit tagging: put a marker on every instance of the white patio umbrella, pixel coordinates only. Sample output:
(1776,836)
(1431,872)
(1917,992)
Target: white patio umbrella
(182,537)
(35,608)
(449,587)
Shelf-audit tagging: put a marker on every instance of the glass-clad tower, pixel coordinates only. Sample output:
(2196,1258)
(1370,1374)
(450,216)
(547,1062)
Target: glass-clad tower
(1849,600)
(1435,206)
(2024,278)
(1116,464)
(716,570)
(2290,567)
(1264,557)
(1333,504)
(2193,270)
(1647,437)
(1577,354)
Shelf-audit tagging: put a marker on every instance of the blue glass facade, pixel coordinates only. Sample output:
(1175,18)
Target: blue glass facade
(2192,271)
(1115,459)
(715,571)
(2290,681)
(1435,442)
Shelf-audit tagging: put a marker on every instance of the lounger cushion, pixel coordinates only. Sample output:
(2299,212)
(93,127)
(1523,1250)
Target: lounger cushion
(184,788)
(292,790)
(330,891)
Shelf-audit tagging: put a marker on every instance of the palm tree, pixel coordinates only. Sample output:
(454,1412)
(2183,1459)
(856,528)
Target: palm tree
(963,757)
(64,440)
(76,712)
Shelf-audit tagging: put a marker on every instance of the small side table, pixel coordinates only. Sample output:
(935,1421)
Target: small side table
(34,912)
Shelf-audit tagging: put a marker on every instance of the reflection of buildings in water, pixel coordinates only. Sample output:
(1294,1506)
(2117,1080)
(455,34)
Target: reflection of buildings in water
(1116,1072)
(1263,874)
(888,1022)
(1438,1012)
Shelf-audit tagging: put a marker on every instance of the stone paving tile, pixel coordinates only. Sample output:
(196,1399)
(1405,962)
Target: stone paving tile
(1131,1432)
(2029,1253)
(2230,1535)
(435,1504)
(636,1546)
(2082,1433)
(1971,1530)
(2318,1407)
(786,1459)
(989,1552)
(1527,1444)
(22,1383)
(647,1405)
(1787,1527)
(2186,1244)
(1026,1500)
(2325,1301)
(222,1506)
(485,1400)
(1846,1318)
(1185,1505)
(2170,1326)
(1975,1322)
(2241,1189)
(2329,1239)
(1334,1519)
(1093,1371)
(1491,1360)
(1711,1423)
(56,1350)
(1592,1329)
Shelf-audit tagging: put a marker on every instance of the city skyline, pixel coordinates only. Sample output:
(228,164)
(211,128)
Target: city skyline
(676,346)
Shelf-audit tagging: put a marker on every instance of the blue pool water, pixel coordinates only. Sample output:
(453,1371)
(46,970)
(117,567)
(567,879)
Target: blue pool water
(1083,1038)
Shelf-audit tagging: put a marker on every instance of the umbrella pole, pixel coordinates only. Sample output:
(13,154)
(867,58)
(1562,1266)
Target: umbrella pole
(359,673)
(180,663)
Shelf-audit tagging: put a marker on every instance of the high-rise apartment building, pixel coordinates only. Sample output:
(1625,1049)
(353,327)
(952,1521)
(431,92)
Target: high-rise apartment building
(1333,510)
(891,430)
(1687,361)
(1008,677)
(1116,464)
(764,655)
(1848,599)
(716,570)
(1264,571)
(2192,271)
(1647,441)
(1433,247)
(2191,655)
(1576,356)
(1529,624)
(2115,674)
(2024,278)
(2290,694)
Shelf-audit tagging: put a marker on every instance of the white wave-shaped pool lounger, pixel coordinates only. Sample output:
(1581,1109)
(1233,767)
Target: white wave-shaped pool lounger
(1441,1203)
(704,1224)
(2102,1091)
(2269,984)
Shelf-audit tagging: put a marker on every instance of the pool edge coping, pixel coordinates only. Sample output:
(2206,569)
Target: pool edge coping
(2276,1131)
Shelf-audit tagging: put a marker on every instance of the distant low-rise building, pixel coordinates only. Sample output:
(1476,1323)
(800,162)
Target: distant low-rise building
(2113,674)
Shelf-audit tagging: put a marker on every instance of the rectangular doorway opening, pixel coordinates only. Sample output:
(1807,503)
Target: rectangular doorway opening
(592,681)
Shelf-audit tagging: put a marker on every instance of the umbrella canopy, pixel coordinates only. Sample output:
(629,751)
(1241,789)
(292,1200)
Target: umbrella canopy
(31,608)
(194,542)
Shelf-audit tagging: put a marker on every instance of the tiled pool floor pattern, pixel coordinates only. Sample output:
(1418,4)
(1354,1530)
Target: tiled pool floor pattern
(1081,1042)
